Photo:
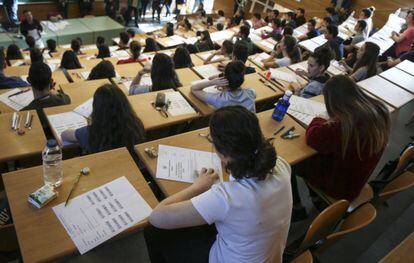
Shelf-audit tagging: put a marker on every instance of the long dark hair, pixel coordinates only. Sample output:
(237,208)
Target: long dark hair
(135,48)
(103,70)
(151,45)
(114,123)
(291,48)
(182,58)
(207,39)
(369,59)
(170,29)
(236,134)
(363,119)
(103,51)
(163,74)
(70,60)
(13,52)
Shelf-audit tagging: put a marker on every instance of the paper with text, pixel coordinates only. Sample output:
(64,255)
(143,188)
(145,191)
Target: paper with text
(278,74)
(17,102)
(177,104)
(304,110)
(63,121)
(207,71)
(100,214)
(85,109)
(184,165)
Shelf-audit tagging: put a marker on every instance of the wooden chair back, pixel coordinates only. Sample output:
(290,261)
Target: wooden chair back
(305,257)
(399,184)
(8,239)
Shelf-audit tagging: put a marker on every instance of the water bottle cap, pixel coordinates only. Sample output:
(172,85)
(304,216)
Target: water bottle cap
(288,92)
(51,143)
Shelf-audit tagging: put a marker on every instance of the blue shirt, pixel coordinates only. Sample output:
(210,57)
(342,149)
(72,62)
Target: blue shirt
(242,97)
(12,82)
(82,136)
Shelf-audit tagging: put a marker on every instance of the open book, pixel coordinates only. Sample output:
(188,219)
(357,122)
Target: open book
(304,110)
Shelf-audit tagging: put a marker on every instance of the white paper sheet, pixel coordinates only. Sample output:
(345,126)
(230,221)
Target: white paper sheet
(257,59)
(184,165)
(304,110)
(178,104)
(64,121)
(113,48)
(85,74)
(85,109)
(215,58)
(100,214)
(281,75)
(17,102)
(267,44)
(207,71)
(121,54)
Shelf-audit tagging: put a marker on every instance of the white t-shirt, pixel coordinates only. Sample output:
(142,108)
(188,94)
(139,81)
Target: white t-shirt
(252,217)
(369,26)
(283,62)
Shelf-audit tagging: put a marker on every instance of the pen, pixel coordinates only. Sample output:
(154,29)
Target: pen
(14,117)
(18,93)
(18,123)
(287,132)
(83,171)
(30,121)
(278,131)
(26,123)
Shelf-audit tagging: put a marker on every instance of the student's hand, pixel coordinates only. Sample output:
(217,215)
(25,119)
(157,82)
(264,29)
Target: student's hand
(221,66)
(343,62)
(219,82)
(147,68)
(301,72)
(294,87)
(205,179)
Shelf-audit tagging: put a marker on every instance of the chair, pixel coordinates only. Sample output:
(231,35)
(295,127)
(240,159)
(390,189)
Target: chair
(305,257)
(8,243)
(399,184)
(321,227)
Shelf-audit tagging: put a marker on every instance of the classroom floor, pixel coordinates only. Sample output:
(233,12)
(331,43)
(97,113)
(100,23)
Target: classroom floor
(391,226)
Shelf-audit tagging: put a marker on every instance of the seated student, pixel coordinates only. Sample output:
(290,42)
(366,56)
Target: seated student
(287,31)
(405,40)
(40,78)
(50,47)
(103,51)
(226,51)
(123,41)
(366,65)
(76,45)
(240,53)
(251,225)
(135,48)
(204,43)
(312,31)
(243,37)
(36,55)
(100,40)
(70,60)
(366,15)
(300,17)
(237,18)
(318,63)
(289,52)
(169,29)
(182,58)
(103,70)
(131,33)
(9,82)
(231,91)
(257,21)
(326,21)
(350,142)
(331,12)
(276,32)
(334,42)
(358,37)
(406,56)
(289,20)
(13,52)
(31,42)
(221,18)
(270,15)
(151,45)
(185,24)
(114,123)
(163,76)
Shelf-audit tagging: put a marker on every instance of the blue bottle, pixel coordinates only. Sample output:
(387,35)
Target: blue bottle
(282,107)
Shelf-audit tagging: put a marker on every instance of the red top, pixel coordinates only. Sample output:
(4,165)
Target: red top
(340,178)
(405,44)
(130,60)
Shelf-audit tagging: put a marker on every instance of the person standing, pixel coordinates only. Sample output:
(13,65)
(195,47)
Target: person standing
(136,6)
(85,7)
(11,10)
(144,8)
(167,4)
(63,8)
(32,27)
(156,7)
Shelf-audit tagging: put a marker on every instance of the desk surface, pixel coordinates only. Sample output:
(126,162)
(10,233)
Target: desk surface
(82,91)
(186,76)
(401,253)
(406,66)
(400,78)
(100,23)
(292,151)
(41,236)
(151,118)
(16,146)
(129,70)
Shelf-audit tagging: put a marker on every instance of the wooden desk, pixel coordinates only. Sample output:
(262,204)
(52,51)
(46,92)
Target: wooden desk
(17,71)
(129,70)
(41,236)
(263,93)
(406,66)
(265,44)
(196,60)
(82,91)
(186,76)
(15,147)
(386,91)
(59,77)
(151,118)
(56,110)
(292,151)
(401,253)
(400,78)
(169,42)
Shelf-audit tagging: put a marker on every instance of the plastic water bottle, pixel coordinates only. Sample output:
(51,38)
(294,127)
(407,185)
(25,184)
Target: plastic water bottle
(282,107)
(52,164)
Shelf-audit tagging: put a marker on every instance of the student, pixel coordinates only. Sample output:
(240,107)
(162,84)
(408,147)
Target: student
(405,40)
(237,18)
(240,53)
(151,45)
(221,18)
(312,31)
(40,78)
(232,93)
(13,53)
(169,29)
(204,43)
(289,52)
(334,42)
(366,65)
(276,32)
(318,63)
(226,51)
(135,48)
(257,21)
(103,70)
(326,21)
(366,15)
(50,47)
(103,51)
(75,45)
(114,123)
(358,37)
(133,6)
(250,224)
(123,41)
(406,56)
(289,20)
(182,58)
(36,55)
(163,76)
(350,142)
(331,12)
(9,82)
(288,31)
(185,24)
(271,14)
(70,60)
(156,7)
(243,38)
(100,41)
(131,33)
(300,17)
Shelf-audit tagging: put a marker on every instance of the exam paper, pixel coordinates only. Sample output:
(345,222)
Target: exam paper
(100,214)
(121,54)
(85,74)
(207,71)
(17,102)
(257,59)
(183,165)
(63,121)
(304,110)
(85,109)
(178,104)
(281,75)
(214,59)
